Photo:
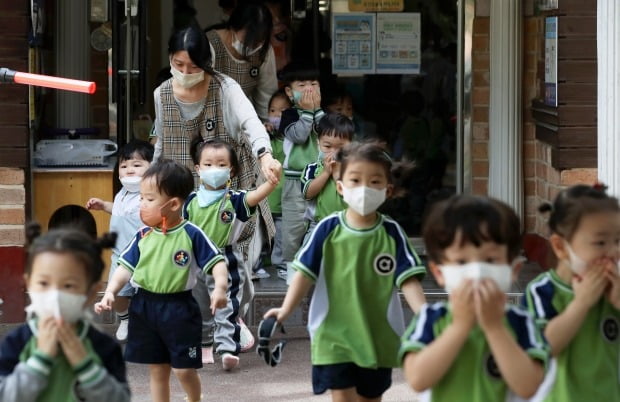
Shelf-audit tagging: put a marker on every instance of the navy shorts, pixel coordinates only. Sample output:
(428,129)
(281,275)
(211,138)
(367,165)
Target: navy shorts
(369,383)
(164,329)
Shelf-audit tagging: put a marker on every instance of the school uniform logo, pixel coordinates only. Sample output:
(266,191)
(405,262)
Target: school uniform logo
(491,367)
(193,352)
(226,216)
(254,72)
(181,258)
(610,329)
(384,264)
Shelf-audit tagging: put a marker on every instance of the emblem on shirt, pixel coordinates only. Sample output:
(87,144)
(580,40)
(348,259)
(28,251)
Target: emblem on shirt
(491,367)
(192,352)
(610,329)
(210,124)
(254,72)
(384,264)
(226,216)
(181,258)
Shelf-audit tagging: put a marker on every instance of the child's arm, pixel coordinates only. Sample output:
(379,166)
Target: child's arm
(300,286)
(120,277)
(253,197)
(562,328)
(427,367)
(220,275)
(97,204)
(313,185)
(522,374)
(414,294)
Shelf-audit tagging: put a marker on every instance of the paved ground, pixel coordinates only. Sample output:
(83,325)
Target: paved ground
(255,381)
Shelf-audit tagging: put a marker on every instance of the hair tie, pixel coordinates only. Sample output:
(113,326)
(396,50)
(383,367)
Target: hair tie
(599,186)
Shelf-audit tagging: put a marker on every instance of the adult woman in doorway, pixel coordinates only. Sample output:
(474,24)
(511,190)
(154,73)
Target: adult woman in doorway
(199,101)
(241,49)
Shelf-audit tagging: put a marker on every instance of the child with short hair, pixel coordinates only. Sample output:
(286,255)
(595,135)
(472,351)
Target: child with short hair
(278,103)
(475,344)
(163,261)
(133,160)
(57,355)
(300,148)
(577,303)
(359,258)
(319,178)
(221,213)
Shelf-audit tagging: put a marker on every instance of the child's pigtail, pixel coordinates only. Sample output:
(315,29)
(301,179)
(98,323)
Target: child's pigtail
(33,230)
(545,207)
(108,240)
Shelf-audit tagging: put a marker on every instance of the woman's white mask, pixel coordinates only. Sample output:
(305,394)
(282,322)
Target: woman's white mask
(453,275)
(186,80)
(57,303)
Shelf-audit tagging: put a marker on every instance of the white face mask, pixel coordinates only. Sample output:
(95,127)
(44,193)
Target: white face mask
(186,80)
(215,177)
(577,265)
(131,183)
(363,200)
(239,47)
(57,303)
(453,275)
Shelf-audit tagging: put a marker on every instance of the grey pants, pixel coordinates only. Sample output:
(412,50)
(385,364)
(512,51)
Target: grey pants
(276,252)
(293,224)
(223,329)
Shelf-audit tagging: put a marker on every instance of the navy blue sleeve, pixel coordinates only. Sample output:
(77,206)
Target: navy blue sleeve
(309,257)
(206,253)
(12,345)
(185,210)
(289,116)
(110,353)
(242,210)
(131,255)
(538,299)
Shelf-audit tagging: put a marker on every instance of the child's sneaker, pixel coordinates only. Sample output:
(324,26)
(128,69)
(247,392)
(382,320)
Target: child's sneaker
(121,331)
(261,274)
(246,339)
(229,361)
(282,273)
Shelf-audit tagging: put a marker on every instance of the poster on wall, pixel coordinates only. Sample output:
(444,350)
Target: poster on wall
(551,61)
(353,43)
(398,43)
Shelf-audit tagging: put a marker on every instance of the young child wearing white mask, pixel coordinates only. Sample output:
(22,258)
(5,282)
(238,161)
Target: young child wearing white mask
(357,259)
(133,160)
(57,355)
(475,346)
(221,213)
(577,304)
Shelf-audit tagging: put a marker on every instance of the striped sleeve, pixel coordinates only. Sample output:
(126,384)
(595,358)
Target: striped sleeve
(186,205)
(408,263)
(206,253)
(131,255)
(421,332)
(538,299)
(309,257)
(527,334)
(307,176)
(239,201)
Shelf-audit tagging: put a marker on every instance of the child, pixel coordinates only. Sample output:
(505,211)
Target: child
(319,178)
(278,103)
(221,213)
(57,355)
(356,259)
(474,345)
(162,261)
(297,126)
(133,160)
(577,304)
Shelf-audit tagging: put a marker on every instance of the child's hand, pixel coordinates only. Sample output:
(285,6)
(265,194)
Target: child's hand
(106,302)
(218,299)
(462,301)
(269,127)
(590,287)
(96,204)
(316,99)
(306,102)
(613,289)
(71,344)
(489,302)
(275,312)
(47,338)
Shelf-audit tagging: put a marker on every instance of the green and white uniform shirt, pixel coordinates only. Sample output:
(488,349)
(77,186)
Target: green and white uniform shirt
(224,220)
(588,369)
(474,375)
(327,201)
(169,263)
(300,139)
(356,314)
